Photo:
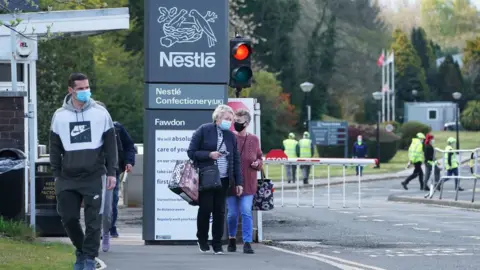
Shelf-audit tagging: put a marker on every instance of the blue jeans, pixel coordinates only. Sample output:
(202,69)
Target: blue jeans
(115,203)
(454,172)
(244,204)
(359,170)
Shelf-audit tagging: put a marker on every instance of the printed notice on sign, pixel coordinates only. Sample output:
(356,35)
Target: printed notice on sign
(175,219)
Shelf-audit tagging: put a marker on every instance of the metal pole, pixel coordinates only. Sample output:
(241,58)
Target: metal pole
(456,125)
(309,116)
(298,186)
(393,86)
(328,186)
(13,62)
(388,91)
(383,93)
(378,139)
(313,185)
(360,189)
(344,180)
(31,160)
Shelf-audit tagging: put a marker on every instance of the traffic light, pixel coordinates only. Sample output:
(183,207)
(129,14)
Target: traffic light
(240,63)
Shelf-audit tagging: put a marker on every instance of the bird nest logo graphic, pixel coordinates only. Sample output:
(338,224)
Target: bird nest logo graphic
(179,27)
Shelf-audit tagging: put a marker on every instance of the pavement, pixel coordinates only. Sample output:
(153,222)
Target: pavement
(379,235)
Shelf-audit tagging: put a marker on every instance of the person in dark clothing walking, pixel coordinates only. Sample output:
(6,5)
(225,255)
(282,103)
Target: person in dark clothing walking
(360,150)
(82,138)
(126,161)
(430,162)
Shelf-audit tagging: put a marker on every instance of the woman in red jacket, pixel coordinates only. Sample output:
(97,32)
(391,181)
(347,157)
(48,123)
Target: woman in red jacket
(248,146)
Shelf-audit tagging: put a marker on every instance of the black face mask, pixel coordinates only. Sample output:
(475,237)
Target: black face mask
(239,126)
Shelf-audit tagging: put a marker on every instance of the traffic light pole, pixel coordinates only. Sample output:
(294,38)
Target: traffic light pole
(237,92)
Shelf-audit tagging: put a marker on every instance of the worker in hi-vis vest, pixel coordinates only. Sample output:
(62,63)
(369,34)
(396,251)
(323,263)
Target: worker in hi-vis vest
(473,157)
(305,150)
(451,162)
(416,157)
(290,148)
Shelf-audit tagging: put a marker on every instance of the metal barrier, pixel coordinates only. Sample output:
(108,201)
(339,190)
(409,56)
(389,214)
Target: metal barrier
(328,162)
(444,178)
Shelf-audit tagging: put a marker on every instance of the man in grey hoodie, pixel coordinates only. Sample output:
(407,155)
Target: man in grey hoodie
(82,137)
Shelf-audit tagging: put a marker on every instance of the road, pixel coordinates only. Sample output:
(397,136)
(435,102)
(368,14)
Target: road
(381,234)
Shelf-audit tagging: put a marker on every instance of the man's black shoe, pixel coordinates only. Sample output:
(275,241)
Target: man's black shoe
(404,185)
(203,247)
(247,249)
(218,250)
(232,245)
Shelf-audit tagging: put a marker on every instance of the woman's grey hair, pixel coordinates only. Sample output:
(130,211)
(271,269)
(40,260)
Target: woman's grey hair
(220,111)
(244,113)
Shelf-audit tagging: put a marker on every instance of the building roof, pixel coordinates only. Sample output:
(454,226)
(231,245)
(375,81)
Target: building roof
(430,104)
(91,21)
(456,58)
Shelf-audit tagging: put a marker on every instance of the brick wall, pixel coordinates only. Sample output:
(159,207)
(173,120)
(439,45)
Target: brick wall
(11,122)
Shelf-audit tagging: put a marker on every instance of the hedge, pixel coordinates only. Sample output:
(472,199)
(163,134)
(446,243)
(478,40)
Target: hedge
(409,130)
(470,118)
(388,143)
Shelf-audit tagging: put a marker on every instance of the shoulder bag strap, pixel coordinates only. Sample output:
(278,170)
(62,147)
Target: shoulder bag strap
(243,146)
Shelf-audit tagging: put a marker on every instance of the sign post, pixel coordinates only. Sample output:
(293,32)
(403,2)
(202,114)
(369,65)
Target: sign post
(186,78)
(330,134)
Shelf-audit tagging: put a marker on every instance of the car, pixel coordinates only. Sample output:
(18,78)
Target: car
(451,126)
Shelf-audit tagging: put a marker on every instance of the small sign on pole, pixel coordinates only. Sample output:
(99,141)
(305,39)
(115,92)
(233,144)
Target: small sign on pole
(389,128)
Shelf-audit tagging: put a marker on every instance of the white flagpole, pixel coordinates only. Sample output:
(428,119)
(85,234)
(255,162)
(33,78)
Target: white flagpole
(388,88)
(393,86)
(383,83)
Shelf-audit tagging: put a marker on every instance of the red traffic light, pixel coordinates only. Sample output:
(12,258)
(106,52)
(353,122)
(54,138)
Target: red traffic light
(241,52)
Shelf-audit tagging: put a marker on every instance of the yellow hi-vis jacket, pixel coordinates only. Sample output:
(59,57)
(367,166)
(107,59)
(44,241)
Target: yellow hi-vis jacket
(290,146)
(415,151)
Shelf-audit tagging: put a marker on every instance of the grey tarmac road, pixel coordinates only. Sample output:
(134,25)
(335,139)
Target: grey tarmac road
(381,234)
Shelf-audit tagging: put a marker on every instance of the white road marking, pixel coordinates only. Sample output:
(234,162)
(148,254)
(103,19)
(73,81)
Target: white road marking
(318,257)
(346,261)
(435,231)
(405,224)
(378,220)
(420,229)
(332,263)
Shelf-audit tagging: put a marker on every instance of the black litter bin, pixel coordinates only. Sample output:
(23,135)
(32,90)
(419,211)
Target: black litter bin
(12,184)
(48,222)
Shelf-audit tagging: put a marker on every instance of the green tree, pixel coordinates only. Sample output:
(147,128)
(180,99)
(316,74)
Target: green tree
(409,74)
(450,79)
(425,51)
(119,83)
(276,20)
(56,60)
(471,116)
(278,115)
(450,22)
(319,68)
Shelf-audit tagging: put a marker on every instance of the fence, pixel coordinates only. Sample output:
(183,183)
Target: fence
(326,162)
(470,176)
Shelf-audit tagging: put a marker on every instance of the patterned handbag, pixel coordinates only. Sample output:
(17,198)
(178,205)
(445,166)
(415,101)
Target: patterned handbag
(263,199)
(184,181)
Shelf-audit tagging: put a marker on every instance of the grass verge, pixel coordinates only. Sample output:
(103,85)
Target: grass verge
(19,249)
(22,255)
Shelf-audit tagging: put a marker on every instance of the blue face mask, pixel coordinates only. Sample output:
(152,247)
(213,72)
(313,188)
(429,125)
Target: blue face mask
(225,125)
(83,95)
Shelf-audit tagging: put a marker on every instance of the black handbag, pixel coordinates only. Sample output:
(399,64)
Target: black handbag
(263,199)
(209,176)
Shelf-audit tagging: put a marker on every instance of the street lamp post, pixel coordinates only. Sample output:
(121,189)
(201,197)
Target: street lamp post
(307,88)
(457,96)
(414,93)
(377,96)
